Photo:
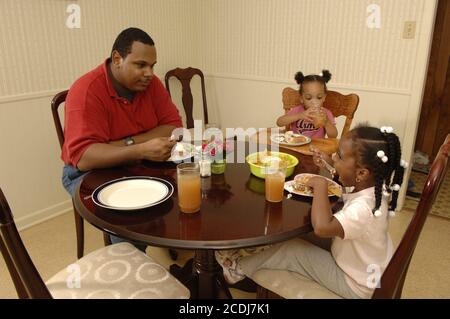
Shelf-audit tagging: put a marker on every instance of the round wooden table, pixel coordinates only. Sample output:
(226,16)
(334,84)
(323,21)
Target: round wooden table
(234,214)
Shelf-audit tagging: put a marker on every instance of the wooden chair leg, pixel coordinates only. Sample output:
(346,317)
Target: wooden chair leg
(106,239)
(20,289)
(79,227)
(173,254)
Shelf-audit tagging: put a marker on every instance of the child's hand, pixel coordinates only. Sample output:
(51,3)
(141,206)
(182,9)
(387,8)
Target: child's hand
(317,182)
(307,115)
(319,157)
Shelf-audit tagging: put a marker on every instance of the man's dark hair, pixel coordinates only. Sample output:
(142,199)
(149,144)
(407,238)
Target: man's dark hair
(125,40)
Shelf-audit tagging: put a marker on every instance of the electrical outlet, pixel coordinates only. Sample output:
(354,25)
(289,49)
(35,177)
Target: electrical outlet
(409,30)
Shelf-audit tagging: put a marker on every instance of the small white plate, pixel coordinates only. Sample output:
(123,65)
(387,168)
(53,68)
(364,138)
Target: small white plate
(132,193)
(289,186)
(182,151)
(281,139)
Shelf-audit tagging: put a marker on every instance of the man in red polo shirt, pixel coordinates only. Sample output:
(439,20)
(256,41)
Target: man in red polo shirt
(119,112)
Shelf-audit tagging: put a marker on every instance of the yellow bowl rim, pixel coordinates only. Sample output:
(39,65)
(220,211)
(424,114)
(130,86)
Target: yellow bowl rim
(259,166)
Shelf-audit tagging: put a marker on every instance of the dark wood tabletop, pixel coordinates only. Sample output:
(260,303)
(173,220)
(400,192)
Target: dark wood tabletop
(233,214)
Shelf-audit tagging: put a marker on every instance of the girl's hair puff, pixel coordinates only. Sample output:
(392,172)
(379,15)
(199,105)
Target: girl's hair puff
(323,78)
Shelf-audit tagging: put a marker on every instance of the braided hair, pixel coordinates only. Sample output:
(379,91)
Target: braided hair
(369,143)
(323,78)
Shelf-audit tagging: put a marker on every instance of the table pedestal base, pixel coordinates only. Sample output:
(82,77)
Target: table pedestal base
(203,276)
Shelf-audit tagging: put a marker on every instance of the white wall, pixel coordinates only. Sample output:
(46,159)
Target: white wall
(253,48)
(40,56)
(249,50)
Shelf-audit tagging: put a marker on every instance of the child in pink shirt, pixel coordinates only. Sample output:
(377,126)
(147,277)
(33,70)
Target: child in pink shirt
(310,118)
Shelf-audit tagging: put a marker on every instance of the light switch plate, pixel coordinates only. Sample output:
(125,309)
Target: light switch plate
(409,30)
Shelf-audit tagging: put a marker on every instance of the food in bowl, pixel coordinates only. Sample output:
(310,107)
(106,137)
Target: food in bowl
(259,162)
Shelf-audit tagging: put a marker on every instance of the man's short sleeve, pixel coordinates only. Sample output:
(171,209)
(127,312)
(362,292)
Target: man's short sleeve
(86,123)
(166,111)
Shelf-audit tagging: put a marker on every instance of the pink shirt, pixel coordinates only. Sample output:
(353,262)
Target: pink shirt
(307,128)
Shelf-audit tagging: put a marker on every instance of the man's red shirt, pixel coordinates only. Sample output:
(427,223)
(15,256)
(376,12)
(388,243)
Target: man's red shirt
(95,113)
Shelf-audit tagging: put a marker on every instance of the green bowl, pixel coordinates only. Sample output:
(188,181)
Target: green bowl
(259,170)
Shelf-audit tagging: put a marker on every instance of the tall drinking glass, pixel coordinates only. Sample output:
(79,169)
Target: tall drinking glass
(275,178)
(189,190)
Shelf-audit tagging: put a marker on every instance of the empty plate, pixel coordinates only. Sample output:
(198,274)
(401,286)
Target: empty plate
(131,193)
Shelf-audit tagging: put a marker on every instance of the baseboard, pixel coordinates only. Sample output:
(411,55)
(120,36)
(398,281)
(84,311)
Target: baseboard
(43,215)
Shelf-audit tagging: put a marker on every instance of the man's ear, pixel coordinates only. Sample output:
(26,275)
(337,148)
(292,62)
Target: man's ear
(116,58)
(362,173)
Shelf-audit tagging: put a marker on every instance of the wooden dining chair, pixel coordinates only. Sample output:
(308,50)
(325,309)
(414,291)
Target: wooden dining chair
(115,271)
(185,76)
(337,103)
(57,100)
(285,284)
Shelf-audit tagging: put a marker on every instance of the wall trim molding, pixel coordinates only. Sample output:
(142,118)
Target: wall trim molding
(47,93)
(290,83)
(29,96)
(43,215)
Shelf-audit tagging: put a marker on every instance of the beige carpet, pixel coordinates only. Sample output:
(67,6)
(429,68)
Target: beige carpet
(52,247)
(441,205)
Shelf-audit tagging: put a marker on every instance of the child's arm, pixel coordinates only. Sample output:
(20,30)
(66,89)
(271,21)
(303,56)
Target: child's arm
(322,219)
(331,129)
(291,118)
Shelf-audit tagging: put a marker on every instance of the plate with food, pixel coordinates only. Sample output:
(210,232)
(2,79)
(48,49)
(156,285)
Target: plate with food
(298,186)
(259,162)
(182,151)
(290,139)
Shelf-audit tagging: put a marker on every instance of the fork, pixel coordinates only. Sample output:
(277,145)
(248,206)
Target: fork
(330,168)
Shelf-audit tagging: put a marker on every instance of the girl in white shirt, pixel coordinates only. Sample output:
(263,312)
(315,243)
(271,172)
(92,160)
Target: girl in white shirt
(368,160)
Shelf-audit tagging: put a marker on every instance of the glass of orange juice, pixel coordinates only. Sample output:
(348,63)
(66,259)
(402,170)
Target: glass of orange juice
(189,190)
(275,184)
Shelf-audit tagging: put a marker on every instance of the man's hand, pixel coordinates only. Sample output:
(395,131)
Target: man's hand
(157,149)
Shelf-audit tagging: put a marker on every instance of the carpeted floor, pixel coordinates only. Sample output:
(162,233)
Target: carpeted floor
(441,205)
(52,247)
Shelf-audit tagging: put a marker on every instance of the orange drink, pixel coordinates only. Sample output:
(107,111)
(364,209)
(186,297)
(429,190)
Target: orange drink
(275,185)
(189,190)
(320,117)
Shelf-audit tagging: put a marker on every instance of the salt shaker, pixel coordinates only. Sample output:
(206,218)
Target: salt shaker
(205,168)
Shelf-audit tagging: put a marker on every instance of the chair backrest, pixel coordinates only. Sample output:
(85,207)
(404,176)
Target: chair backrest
(393,278)
(339,104)
(185,76)
(24,274)
(56,102)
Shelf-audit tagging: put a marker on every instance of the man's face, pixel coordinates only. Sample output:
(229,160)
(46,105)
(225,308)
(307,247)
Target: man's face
(135,70)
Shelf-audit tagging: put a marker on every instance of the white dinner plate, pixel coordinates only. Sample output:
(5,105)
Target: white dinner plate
(182,151)
(306,191)
(281,139)
(131,193)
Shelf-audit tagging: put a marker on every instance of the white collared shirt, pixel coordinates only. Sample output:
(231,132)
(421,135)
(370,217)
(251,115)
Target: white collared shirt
(367,247)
